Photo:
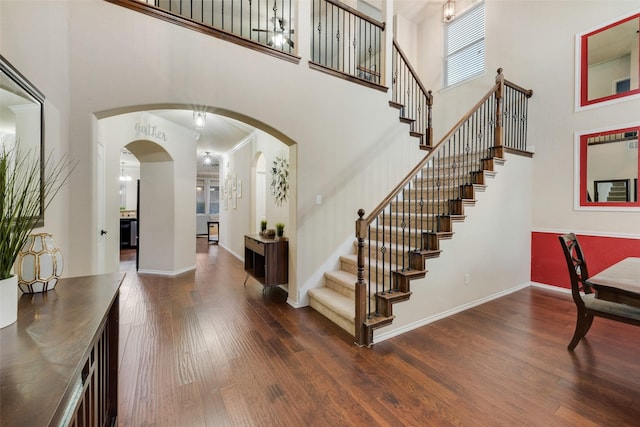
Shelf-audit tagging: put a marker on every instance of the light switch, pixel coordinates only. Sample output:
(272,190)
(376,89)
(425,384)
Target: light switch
(318,199)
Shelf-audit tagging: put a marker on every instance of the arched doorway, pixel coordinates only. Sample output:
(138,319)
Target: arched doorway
(236,178)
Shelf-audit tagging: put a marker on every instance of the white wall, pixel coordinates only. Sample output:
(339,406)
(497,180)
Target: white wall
(143,62)
(535,44)
(492,246)
(167,246)
(52,75)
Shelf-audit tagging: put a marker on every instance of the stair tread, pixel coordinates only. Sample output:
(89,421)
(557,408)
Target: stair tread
(340,304)
(353,259)
(344,277)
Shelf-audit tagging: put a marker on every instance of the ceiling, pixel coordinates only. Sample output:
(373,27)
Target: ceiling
(412,9)
(219,135)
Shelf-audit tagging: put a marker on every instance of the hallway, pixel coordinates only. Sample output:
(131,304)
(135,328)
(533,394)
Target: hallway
(201,350)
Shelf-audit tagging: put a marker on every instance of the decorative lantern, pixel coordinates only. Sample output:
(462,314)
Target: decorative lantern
(39,264)
(448,11)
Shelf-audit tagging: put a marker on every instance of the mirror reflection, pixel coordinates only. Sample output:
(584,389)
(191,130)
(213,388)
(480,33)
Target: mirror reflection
(609,166)
(610,63)
(20,113)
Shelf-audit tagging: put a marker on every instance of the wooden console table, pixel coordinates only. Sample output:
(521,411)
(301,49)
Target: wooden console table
(267,260)
(59,361)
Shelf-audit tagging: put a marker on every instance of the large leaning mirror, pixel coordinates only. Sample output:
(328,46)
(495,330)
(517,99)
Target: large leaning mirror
(609,63)
(21,117)
(608,168)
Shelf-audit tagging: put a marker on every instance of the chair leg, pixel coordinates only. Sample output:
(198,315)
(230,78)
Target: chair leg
(583,324)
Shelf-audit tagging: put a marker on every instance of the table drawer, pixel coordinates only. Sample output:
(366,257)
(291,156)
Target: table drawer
(254,245)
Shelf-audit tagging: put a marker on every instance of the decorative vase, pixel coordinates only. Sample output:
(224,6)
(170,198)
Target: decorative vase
(39,264)
(8,301)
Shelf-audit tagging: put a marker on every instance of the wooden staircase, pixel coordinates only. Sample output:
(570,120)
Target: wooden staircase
(336,300)
(394,242)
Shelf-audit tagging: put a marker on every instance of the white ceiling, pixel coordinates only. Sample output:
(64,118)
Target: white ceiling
(219,135)
(412,9)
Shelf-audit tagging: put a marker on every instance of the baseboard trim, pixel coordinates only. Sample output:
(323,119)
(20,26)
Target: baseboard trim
(167,273)
(386,335)
(551,288)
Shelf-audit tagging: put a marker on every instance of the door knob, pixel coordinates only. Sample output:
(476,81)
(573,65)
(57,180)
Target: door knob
(103,232)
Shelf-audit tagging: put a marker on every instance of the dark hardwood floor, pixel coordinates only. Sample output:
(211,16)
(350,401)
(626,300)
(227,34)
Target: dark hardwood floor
(201,350)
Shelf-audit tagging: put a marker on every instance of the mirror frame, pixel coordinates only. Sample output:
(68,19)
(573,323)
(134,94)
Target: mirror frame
(8,70)
(582,81)
(580,169)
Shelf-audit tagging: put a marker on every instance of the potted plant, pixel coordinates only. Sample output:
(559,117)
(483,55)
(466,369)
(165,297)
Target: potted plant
(263,226)
(21,187)
(279,229)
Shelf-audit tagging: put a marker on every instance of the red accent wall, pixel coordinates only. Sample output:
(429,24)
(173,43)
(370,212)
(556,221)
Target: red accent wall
(548,265)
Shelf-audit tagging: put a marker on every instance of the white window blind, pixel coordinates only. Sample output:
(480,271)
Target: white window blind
(464,46)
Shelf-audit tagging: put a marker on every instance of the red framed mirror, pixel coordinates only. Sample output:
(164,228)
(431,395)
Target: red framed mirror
(609,67)
(608,168)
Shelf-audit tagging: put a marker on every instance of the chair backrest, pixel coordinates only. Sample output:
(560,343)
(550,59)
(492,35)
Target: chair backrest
(577,266)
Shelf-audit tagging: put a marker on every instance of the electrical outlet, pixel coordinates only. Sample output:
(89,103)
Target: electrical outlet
(318,199)
(467,279)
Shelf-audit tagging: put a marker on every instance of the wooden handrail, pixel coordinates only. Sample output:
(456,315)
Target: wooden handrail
(408,64)
(356,12)
(528,92)
(398,188)
(398,239)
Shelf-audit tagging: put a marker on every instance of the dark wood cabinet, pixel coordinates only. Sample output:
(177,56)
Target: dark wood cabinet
(267,260)
(59,361)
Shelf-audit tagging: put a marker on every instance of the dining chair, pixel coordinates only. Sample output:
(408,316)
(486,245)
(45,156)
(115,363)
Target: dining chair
(584,296)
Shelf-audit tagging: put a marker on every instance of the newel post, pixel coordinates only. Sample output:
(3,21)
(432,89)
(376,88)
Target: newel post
(499,133)
(361,290)
(429,135)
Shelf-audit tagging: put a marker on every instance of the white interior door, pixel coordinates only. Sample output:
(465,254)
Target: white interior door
(100,195)
(261,192)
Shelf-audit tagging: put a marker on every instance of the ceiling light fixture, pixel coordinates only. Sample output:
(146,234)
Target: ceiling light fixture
(199,119)
(449,11)
(207,159)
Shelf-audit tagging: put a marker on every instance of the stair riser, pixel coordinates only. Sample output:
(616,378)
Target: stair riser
(396,237)
(427,194)
(342,289)
(326,311)
(353,269)
(412,205)
(417,224)
(397,257)
(339,287)
(434,183)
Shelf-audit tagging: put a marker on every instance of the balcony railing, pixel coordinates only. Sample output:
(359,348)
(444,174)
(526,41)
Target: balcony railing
(346,41)
(266,22)
(409,94)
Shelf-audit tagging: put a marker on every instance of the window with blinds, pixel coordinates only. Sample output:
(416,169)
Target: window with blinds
(464,46)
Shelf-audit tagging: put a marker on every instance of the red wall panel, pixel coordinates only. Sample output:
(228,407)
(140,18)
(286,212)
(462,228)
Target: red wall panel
(548,265)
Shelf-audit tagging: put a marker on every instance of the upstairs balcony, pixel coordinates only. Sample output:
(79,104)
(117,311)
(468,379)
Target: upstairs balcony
(341,40)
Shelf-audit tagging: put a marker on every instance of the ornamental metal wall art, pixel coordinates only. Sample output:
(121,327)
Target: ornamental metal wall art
(280,180)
